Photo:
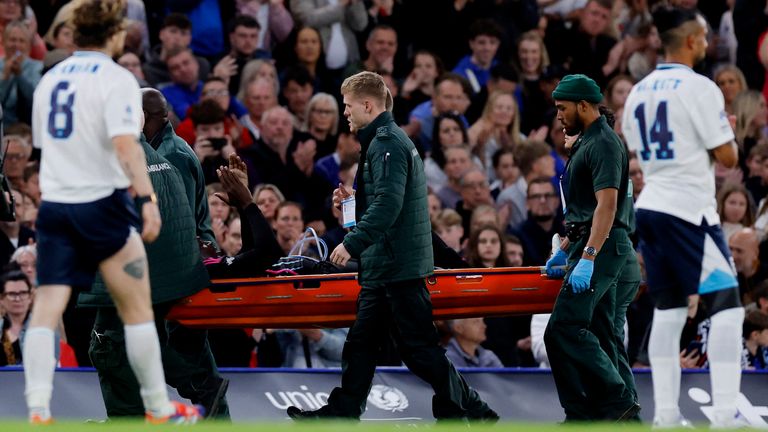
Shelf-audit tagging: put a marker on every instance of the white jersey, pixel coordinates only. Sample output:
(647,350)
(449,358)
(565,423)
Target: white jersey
(671,119)
(79,106)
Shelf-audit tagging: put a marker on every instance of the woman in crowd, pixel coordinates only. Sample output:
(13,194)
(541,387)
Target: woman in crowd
(305,47)
(16,300)
(219,210)
(419,85)
(616,92)
(751,118)
(254,69)
(62,37)
(449,131)
(505,169)
(268,197)
(26,258)
(498,127)
(532,58)
(288,224)
(486,248)
(731,81)
(322,123)
(735,207)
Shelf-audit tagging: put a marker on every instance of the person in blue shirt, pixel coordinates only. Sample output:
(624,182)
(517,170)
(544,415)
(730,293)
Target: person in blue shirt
(185,88)
(347,154)
(484,40)
(755,352)
(452,95)
(207,25)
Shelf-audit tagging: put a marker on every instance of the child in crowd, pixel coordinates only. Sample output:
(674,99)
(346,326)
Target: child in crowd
(736,208)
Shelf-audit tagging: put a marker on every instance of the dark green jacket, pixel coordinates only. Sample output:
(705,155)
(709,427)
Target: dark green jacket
(175,267)
(392,239)
(598,161)
(180,154)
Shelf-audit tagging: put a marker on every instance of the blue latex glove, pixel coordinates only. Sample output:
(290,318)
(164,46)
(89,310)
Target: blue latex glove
(581,275)
(560,258)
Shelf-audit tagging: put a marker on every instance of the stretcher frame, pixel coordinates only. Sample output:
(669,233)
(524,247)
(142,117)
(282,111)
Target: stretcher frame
(329,301)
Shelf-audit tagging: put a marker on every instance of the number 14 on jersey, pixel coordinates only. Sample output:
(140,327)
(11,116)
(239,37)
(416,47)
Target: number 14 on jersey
(658,133)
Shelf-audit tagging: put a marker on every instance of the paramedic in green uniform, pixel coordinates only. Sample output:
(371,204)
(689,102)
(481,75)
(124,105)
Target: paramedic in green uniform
(393,243)
(599,217)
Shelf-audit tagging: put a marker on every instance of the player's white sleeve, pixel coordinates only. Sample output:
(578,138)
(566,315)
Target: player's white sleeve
(122,110)
(709,117)
(629,127)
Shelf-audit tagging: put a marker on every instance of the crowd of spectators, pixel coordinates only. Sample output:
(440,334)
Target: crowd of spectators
(472,88)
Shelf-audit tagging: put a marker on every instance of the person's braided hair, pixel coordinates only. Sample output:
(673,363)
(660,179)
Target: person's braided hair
(610,116)
(96,21)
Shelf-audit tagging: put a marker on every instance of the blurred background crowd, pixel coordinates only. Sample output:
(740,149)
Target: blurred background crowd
(472,83)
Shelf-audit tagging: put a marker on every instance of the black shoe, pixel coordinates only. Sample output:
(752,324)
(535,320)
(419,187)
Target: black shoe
(211,394)
(299,414)
(324,412)
(628,415)
(489,417)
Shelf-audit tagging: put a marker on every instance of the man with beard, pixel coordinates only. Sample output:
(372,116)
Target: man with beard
(536,232)
(676,121)
(599,217)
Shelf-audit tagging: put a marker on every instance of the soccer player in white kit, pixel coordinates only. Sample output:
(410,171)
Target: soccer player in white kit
(86,119)
(676,122)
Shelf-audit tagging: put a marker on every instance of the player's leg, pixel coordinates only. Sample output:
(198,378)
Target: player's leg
(626,290)
(361,348)
(56,272)
(127,277)
(724,354)
(39,348)
(119,388)
(419,345)
(664,236)
(721,296)
(664,355)
(603,322)
(575,349)
(190,367)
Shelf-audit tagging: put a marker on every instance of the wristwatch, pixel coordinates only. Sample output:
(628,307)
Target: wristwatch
(141,200)
(591,251)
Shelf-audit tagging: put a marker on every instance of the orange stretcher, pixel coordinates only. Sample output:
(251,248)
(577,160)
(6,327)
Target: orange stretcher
(330,300)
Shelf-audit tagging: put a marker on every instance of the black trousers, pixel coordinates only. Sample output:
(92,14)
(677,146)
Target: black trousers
(405,309)
(591,372)
(186,354)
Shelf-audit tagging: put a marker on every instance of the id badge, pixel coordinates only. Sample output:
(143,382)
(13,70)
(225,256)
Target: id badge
(562,193)
(348,212)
